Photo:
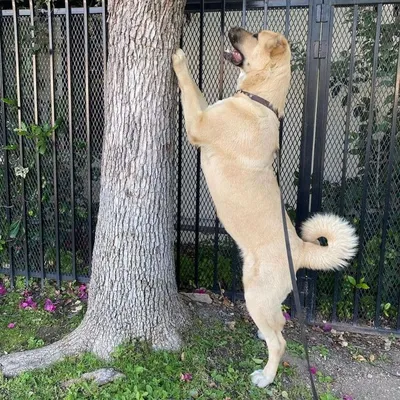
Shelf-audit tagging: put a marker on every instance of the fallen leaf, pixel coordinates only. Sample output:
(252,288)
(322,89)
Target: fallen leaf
(286,364)
(371,358)
(231,325)
(359,357)
(344,343)
(183,356)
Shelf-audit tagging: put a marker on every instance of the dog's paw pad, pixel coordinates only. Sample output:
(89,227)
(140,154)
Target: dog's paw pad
(260,335)
(178,59)
(259,379)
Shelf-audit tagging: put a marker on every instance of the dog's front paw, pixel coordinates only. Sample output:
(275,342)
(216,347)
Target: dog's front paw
(259,379)
(179,61)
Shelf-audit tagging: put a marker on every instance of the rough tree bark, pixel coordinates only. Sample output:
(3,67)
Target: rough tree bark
(133,293)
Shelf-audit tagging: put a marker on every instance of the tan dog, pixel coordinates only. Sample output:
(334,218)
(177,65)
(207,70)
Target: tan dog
(239,139)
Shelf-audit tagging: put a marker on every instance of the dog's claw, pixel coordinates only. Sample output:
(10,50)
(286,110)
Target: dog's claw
(259,379)
(178,60)
(260,335)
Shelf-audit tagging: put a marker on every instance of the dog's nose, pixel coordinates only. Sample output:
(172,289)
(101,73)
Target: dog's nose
(234,34)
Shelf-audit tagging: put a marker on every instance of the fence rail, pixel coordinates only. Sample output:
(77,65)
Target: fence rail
(340,145)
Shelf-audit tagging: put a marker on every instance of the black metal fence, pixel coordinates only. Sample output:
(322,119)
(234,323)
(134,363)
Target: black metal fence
(340,143)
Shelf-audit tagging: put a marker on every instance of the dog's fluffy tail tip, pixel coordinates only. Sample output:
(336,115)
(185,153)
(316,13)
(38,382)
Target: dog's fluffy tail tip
(341,237)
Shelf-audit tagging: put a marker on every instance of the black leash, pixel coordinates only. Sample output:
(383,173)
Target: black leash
(296,295)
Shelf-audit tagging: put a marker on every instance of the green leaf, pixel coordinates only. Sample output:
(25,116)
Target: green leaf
(10,147)
(351,280)
(14,229)
(362,286)
(41,146)
(10,102)
(258,361)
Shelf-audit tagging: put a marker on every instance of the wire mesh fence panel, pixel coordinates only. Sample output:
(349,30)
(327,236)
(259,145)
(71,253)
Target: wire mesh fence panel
(360,164)
(340,148)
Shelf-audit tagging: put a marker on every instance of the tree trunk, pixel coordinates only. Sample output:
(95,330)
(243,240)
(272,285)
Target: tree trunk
(133,293)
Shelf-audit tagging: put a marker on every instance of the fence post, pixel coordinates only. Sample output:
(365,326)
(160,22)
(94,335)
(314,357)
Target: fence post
(307,138)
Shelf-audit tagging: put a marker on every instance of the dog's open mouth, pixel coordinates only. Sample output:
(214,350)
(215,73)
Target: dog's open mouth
(234,56)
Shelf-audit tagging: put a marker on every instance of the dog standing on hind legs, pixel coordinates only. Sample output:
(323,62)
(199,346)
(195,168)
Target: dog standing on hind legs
(239,138)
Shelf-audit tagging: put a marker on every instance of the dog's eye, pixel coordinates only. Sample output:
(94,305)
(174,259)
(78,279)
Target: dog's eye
(255,36)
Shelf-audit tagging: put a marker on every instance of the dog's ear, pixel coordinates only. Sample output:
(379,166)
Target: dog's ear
(276,44)
(280,45)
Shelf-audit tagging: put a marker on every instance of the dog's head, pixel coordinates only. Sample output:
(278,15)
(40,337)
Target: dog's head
(255,52)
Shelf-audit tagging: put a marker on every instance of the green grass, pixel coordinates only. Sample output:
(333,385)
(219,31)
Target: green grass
(218,358)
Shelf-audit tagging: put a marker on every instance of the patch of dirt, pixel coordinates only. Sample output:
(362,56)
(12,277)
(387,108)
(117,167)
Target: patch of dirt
(365,367)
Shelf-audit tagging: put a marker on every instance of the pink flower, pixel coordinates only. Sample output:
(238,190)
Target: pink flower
(327,327)
(28,303)
(3,290)
(11,325)
(286,315)
(313,370)
(82,292)
(347,397)
(200,290)
(49,306)
(186,377)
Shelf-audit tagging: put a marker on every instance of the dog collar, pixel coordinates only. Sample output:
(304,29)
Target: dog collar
(260,100)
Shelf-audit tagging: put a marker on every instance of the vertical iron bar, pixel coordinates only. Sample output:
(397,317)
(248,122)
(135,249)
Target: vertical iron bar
(366,166)
(179,191)
(398,314)
(105,37)
(322,114)
(338,274)
(54,138)
(71,135)
(310,104)
(6,161)
(198,163)
(88,127)
(244,5)
(287,19)
(320,136)
(38,158)
(21,138)
(387,194)
(281,130)
(220,97)
(265,17)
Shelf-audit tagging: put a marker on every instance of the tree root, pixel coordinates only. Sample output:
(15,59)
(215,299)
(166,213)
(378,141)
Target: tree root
(73,344)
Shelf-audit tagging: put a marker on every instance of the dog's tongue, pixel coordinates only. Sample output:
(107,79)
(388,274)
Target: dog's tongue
(234,57)
(237,58)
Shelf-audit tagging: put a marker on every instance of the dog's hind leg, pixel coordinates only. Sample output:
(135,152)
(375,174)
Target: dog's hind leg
(270,322)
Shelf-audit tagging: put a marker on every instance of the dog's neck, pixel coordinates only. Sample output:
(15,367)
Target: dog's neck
(272,84)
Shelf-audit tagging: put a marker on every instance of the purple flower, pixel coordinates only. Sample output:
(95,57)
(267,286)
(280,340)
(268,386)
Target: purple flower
(82,292)
(347,397)
(49,306)
(28,303)
(286,315)
(200,290)
(11,325)
(186,377)
(327,327)
(3,290)
(313,370)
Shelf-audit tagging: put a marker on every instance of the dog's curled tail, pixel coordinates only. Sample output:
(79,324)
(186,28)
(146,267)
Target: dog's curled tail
(341,237)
